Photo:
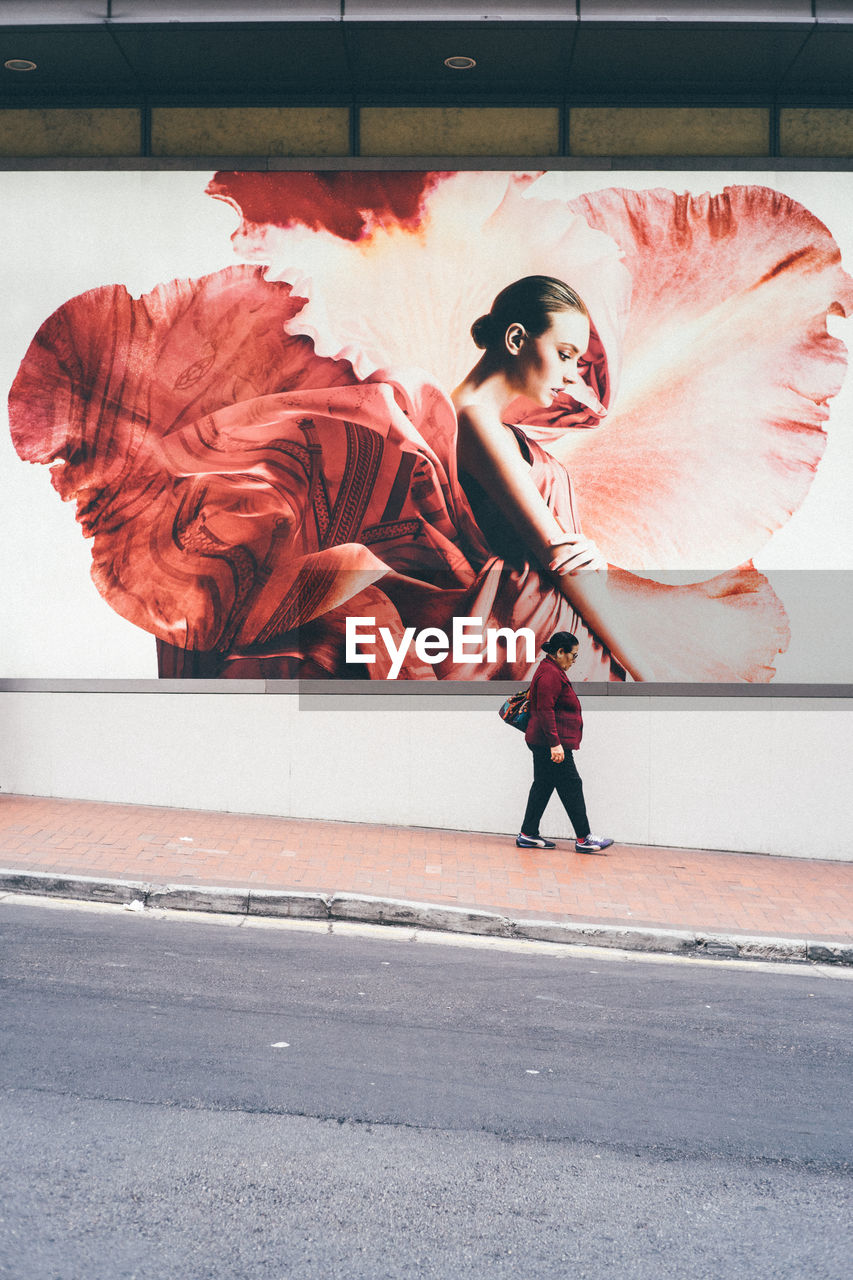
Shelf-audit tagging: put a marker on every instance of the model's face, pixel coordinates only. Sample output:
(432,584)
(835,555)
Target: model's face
(548,364)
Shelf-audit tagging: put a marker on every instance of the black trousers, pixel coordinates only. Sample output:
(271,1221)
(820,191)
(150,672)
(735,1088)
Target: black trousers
(548,778)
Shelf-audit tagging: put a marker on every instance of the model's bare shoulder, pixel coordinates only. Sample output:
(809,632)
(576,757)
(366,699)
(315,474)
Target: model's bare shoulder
(473,414)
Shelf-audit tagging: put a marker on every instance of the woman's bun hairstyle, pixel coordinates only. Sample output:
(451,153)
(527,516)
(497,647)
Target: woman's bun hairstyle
(483,331)
(529,302)
(560,640)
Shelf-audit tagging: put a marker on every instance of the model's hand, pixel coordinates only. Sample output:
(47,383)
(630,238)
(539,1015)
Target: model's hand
(558,755)
(574,552)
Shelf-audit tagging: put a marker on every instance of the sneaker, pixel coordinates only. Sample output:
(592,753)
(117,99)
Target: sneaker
(529,842)
(592,844)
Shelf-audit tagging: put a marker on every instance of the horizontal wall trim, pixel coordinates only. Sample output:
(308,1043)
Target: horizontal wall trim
(759,164)
(422,689)
(787,15)
(346,98)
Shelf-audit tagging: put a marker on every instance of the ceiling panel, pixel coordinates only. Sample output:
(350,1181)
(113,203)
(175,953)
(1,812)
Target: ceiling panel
(24,13)
(231,11)
(287,61)
(622,60)
(834,10)
(696,11)
(460,11)
(515,61)
(824,68)
(92,12)
(70,62)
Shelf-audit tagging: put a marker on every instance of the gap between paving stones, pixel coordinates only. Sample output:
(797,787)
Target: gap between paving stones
(295,904)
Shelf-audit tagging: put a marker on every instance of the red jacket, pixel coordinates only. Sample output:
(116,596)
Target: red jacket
(555,712)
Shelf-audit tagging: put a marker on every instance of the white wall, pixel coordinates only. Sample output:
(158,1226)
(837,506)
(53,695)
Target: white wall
(762,774)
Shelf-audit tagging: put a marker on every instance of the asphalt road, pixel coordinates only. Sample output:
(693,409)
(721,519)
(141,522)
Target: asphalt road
(188,1100)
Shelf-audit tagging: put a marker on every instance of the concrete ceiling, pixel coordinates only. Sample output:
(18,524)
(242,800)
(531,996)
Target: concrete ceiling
(216,52)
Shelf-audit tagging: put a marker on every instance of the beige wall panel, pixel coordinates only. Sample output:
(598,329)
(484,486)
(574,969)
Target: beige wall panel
(460,131)
(250,131)
(819,131)
(70,132)
(669,131)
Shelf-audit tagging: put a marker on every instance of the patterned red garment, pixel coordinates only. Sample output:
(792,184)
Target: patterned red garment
(245,493)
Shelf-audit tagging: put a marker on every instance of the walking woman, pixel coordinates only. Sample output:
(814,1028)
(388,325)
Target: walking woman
(553,733)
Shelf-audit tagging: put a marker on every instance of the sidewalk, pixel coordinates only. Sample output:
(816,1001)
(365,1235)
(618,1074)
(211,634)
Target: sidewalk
(655,898)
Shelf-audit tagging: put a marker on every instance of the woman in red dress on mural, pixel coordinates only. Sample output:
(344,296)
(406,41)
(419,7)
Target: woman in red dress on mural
(533,339)
(256,463)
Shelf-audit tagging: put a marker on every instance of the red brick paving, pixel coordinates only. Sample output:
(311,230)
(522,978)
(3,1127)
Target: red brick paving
(633,884)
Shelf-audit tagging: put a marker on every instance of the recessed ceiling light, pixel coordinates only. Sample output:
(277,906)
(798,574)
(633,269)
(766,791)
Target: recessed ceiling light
(460,64)
(19,64)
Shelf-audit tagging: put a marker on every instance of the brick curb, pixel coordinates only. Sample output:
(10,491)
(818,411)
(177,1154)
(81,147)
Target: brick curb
(294,904)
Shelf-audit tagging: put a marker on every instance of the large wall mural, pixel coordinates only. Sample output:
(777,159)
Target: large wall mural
(298,462)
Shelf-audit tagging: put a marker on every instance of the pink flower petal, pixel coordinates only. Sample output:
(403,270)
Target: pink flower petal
(728,374)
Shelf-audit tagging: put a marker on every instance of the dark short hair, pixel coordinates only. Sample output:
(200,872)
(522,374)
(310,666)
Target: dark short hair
(560,640)
(530,302)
